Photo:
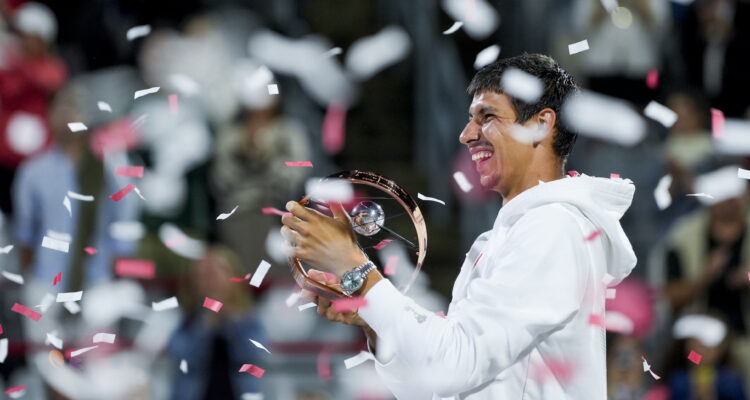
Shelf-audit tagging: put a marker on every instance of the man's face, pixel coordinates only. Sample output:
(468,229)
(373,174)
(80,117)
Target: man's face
(500,160)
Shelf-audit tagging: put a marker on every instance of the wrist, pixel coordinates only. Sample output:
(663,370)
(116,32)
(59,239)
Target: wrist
(354,261)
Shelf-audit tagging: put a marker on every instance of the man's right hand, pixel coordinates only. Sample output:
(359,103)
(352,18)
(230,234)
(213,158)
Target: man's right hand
(325,305)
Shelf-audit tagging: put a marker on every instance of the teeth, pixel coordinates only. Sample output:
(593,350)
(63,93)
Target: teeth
(481,155)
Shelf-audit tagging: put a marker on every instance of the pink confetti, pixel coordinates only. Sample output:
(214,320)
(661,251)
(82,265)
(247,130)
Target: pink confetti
(349,304)
(596,319)
(652,79)
(647,367)
(143,269)
(329,276)
(717,123)
(233,279)
(694,357)
(390,265)
(298,164)
(174,107)
(90,250)
(253,370)
(593,235)
(334,126)
(15,389)
(272,210)
(122,192)
(27,312)
(212,304)
(324,365)
(134,171)
(382,244)
(1,329)
(477,261)
(440,314)
(612,176)
(57,279)
(573,173)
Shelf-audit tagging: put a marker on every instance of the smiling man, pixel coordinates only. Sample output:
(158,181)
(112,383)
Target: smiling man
(519,323)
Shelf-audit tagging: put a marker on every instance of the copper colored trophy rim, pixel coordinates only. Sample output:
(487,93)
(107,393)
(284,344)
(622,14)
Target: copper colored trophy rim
(403,198)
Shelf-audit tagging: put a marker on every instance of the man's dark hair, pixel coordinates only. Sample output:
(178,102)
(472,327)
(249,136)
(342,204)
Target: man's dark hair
(558,87)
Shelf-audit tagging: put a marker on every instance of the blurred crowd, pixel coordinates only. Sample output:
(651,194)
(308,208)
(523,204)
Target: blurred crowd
(245,86)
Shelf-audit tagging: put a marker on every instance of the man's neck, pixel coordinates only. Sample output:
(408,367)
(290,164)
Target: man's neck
(532,179)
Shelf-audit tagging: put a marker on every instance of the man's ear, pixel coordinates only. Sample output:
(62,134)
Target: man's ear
(546,123)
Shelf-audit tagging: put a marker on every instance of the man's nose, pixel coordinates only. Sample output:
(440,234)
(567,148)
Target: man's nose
(470,133)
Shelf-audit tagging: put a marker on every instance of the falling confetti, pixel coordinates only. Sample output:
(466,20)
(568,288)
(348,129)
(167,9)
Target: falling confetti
(454,28)
(360,358)
(81,197)
(260,273)
(596,320)
(134,171)
(260,346)
(166,304)
(55,244)
(694,357)
(77,126)
(717,123)
(273,89)
(486,56)
(660,113)
(57,279)
(138,31)
(614,176)
(334,128)
(743,173)
(593,235)
(577,47)
(15,389)
(420,196)
(224,216)
(306,306)
(647,368)
(72,307)
(323,364)
(25,311)
(272,210)
(462,182)
(144,92)
(174,106)
(332,52)
(382,244)
(390,265)
(252,370)
(76,353)
(90,250)
(184,366)
(143,269)
(298,164)
(51,338)
(213,305)
(66,204)
(604,117)
(652,78)
(69,296)
(573,173)
(369,55)
(13,277)
(103,337)
(522,85)
(103,106)
(661,193)
(3,350)
(349,304)
(122,192)
(6,249)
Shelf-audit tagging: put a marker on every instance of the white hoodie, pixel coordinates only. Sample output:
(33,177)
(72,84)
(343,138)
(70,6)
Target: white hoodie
(518,326)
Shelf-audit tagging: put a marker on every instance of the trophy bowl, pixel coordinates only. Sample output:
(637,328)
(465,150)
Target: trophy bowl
(377,201)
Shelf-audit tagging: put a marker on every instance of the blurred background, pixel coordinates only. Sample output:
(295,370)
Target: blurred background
(245,86)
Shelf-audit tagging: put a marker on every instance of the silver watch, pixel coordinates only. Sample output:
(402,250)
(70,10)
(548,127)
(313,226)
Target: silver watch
(353,279)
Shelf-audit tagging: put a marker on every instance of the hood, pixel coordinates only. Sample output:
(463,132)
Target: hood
(603,201)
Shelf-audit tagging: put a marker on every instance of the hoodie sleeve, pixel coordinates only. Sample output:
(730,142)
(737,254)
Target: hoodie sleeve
(533,285)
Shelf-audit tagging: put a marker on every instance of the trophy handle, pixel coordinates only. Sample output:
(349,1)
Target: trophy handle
(398,194)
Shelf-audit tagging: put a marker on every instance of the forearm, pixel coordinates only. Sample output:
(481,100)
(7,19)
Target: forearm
(681,293)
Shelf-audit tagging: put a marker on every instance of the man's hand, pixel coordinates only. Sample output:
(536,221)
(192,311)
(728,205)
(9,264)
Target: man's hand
(321,241)
(324,305)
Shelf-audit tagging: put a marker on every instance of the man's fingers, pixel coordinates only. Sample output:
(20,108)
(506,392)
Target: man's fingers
(294,223)
(290,235)
(338,210)
(298,210)
(308,295)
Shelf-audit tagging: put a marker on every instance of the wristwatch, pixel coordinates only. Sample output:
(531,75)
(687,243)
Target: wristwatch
(353,279)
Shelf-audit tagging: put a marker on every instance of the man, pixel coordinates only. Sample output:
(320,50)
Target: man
(518,324)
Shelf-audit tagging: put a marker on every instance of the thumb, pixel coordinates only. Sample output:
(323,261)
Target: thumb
(338,210)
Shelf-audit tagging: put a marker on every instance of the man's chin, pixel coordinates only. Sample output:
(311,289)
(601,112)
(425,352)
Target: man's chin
(489,182)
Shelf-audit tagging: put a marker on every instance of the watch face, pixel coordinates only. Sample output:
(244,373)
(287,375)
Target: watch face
(352,280)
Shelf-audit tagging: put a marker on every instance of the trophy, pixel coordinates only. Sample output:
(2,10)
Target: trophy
(371,216)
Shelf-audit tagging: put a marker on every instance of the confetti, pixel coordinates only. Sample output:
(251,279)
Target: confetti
(46,302)
(212,304)
(260,346)
(652,78)
(66,204)
(420,196)
(593,235)
(1,329)
(329,190)
(69,296)
(573,173)
(660,113)
(103,337)
(77,126)
(323,364)
(174,106)
(224,216)
(722,184)
(709,330)
(144,92)
(717,123)
(15,389)
(522,85)
(611,293)
(462,182)
(369,55)
(51,338)
(90,250)
(306,306)
(183,366)
(706,195)
(55,244)
(57,279)
(360,358)
(252,370)
(614,176)
(3,350)
(272,210)
(603,117)
(134,171)
(390,265)
(694,357)
(334,128)
(349,304)
(260,273)
(184,84)
(138,192)
(6,249)
(596,319)
(72,307)
(647,368)
(293,298)
(486,56)
(122,192)
(577,47)
(743,173)
(332,52)
(138,31)
(166,304)
(382,244)
(661,193)
(143,269)
(81,197)
(273,89)
(25,311)
(298,164)
(440,314)
(454,28)
(103,106)
(13,277)
(477,260)
(76,353)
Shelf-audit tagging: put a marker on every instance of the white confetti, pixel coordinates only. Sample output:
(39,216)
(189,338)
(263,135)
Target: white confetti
(578,47)
(604,117)
(329,190)
(166,304)
(647,368)
(661,193)
(369,55)
(260,346)
(660,113)
(293,298)
(273,89)
(138,192)
(72,307)
(143,92)
(528,134)
(706,195)
(3,350)
(69,296)
(46,302)
(736,138)
(705,328)
(260,273)
(479,16)
(224,216)
(522,85)
(184,366)
(363,356)
(454,28)
(184,84)
(54,340)
(462,182)
(55,244)
(743,173)
(78,352)
(103,106)
(722,184)
(77,126)
(420,196)
(17,278)
(6,249)
(103,337)
(306,306)
(332,52)
(81,197)
(486,56)
(66,204)
(611,293)
(138,31)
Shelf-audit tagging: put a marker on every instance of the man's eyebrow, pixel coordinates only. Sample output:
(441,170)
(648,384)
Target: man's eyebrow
(483,110)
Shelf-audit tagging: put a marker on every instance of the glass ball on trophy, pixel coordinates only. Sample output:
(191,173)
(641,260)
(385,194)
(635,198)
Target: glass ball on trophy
(367,218)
